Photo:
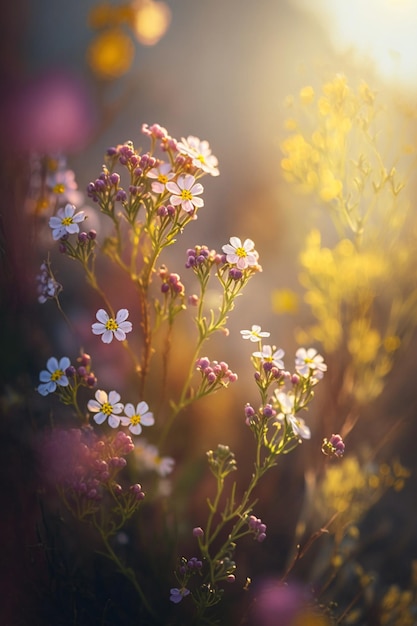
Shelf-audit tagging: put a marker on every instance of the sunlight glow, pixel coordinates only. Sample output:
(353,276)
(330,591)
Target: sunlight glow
(382,32)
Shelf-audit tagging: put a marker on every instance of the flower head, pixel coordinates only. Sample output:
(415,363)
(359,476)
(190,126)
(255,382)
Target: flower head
(242,255)
(255,334)
(66,222)
(108,326)
(178,594)
(269,354)
(148,458)
(335,446)
(137,417)
(286,404)
(310,362)
(54,375)
(185,192)
(162,174)
(200,153)
(48,287)
(106,407)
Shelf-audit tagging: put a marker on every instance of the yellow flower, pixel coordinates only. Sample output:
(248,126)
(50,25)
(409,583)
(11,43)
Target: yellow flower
(331,187)
(307,95)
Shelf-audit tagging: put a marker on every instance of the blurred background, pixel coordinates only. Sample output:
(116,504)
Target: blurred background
(80,77)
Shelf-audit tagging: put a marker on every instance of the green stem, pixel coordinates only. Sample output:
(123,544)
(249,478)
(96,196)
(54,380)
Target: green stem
(126,571)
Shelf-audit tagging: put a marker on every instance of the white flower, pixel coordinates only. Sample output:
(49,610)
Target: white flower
(298,425)
(200,153)
(147,457)
(310,361)
(270,355)
(54,375)
(184,192)
(137,417)
(255,334)
(242,255)
(162,173)
(106,407)
(108,326)
(65,221)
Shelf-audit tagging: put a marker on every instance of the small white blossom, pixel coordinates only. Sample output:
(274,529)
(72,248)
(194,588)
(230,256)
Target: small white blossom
(66,222)
(270,354)
(242,255)
(310,362)
(163,174)
(109,327)
(54,375)
(200,153)
(137,417)
(298,425)
(255,334)
(148,458)
(185,192)
(106,407)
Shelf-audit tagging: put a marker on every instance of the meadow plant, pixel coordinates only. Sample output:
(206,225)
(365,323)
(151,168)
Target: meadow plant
(149,198)
(111,479)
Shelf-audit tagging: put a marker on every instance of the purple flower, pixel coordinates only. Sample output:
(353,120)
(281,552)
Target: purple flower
(178,594)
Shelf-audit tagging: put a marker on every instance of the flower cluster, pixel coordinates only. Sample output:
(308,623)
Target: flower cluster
(48,287)
(277,423)
(171,283)
(257,528)
(214,375)
(107,407)
(85,467)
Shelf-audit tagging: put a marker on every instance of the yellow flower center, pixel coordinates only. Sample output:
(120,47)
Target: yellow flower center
(201,159)
(186,194)
(111,324)
(241,252)
(59,188)
(56,375)
(163,179)
(106,408)
(67,221)
(135,419)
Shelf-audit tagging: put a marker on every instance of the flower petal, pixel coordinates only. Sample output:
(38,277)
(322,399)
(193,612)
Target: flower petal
(102,316)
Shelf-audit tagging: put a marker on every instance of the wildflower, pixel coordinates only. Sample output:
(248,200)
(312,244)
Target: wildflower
(107,407)
(162,173)
(48,287)
(148,458)
(242,255)
(215,373)
(254,334)
(108,326)
(269,354)
(136,418)
(334,446)
(286,404)
(66,222)
(54,375)
(184,192)
(310,361)
(257,527)
(178,594)
(200,153)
